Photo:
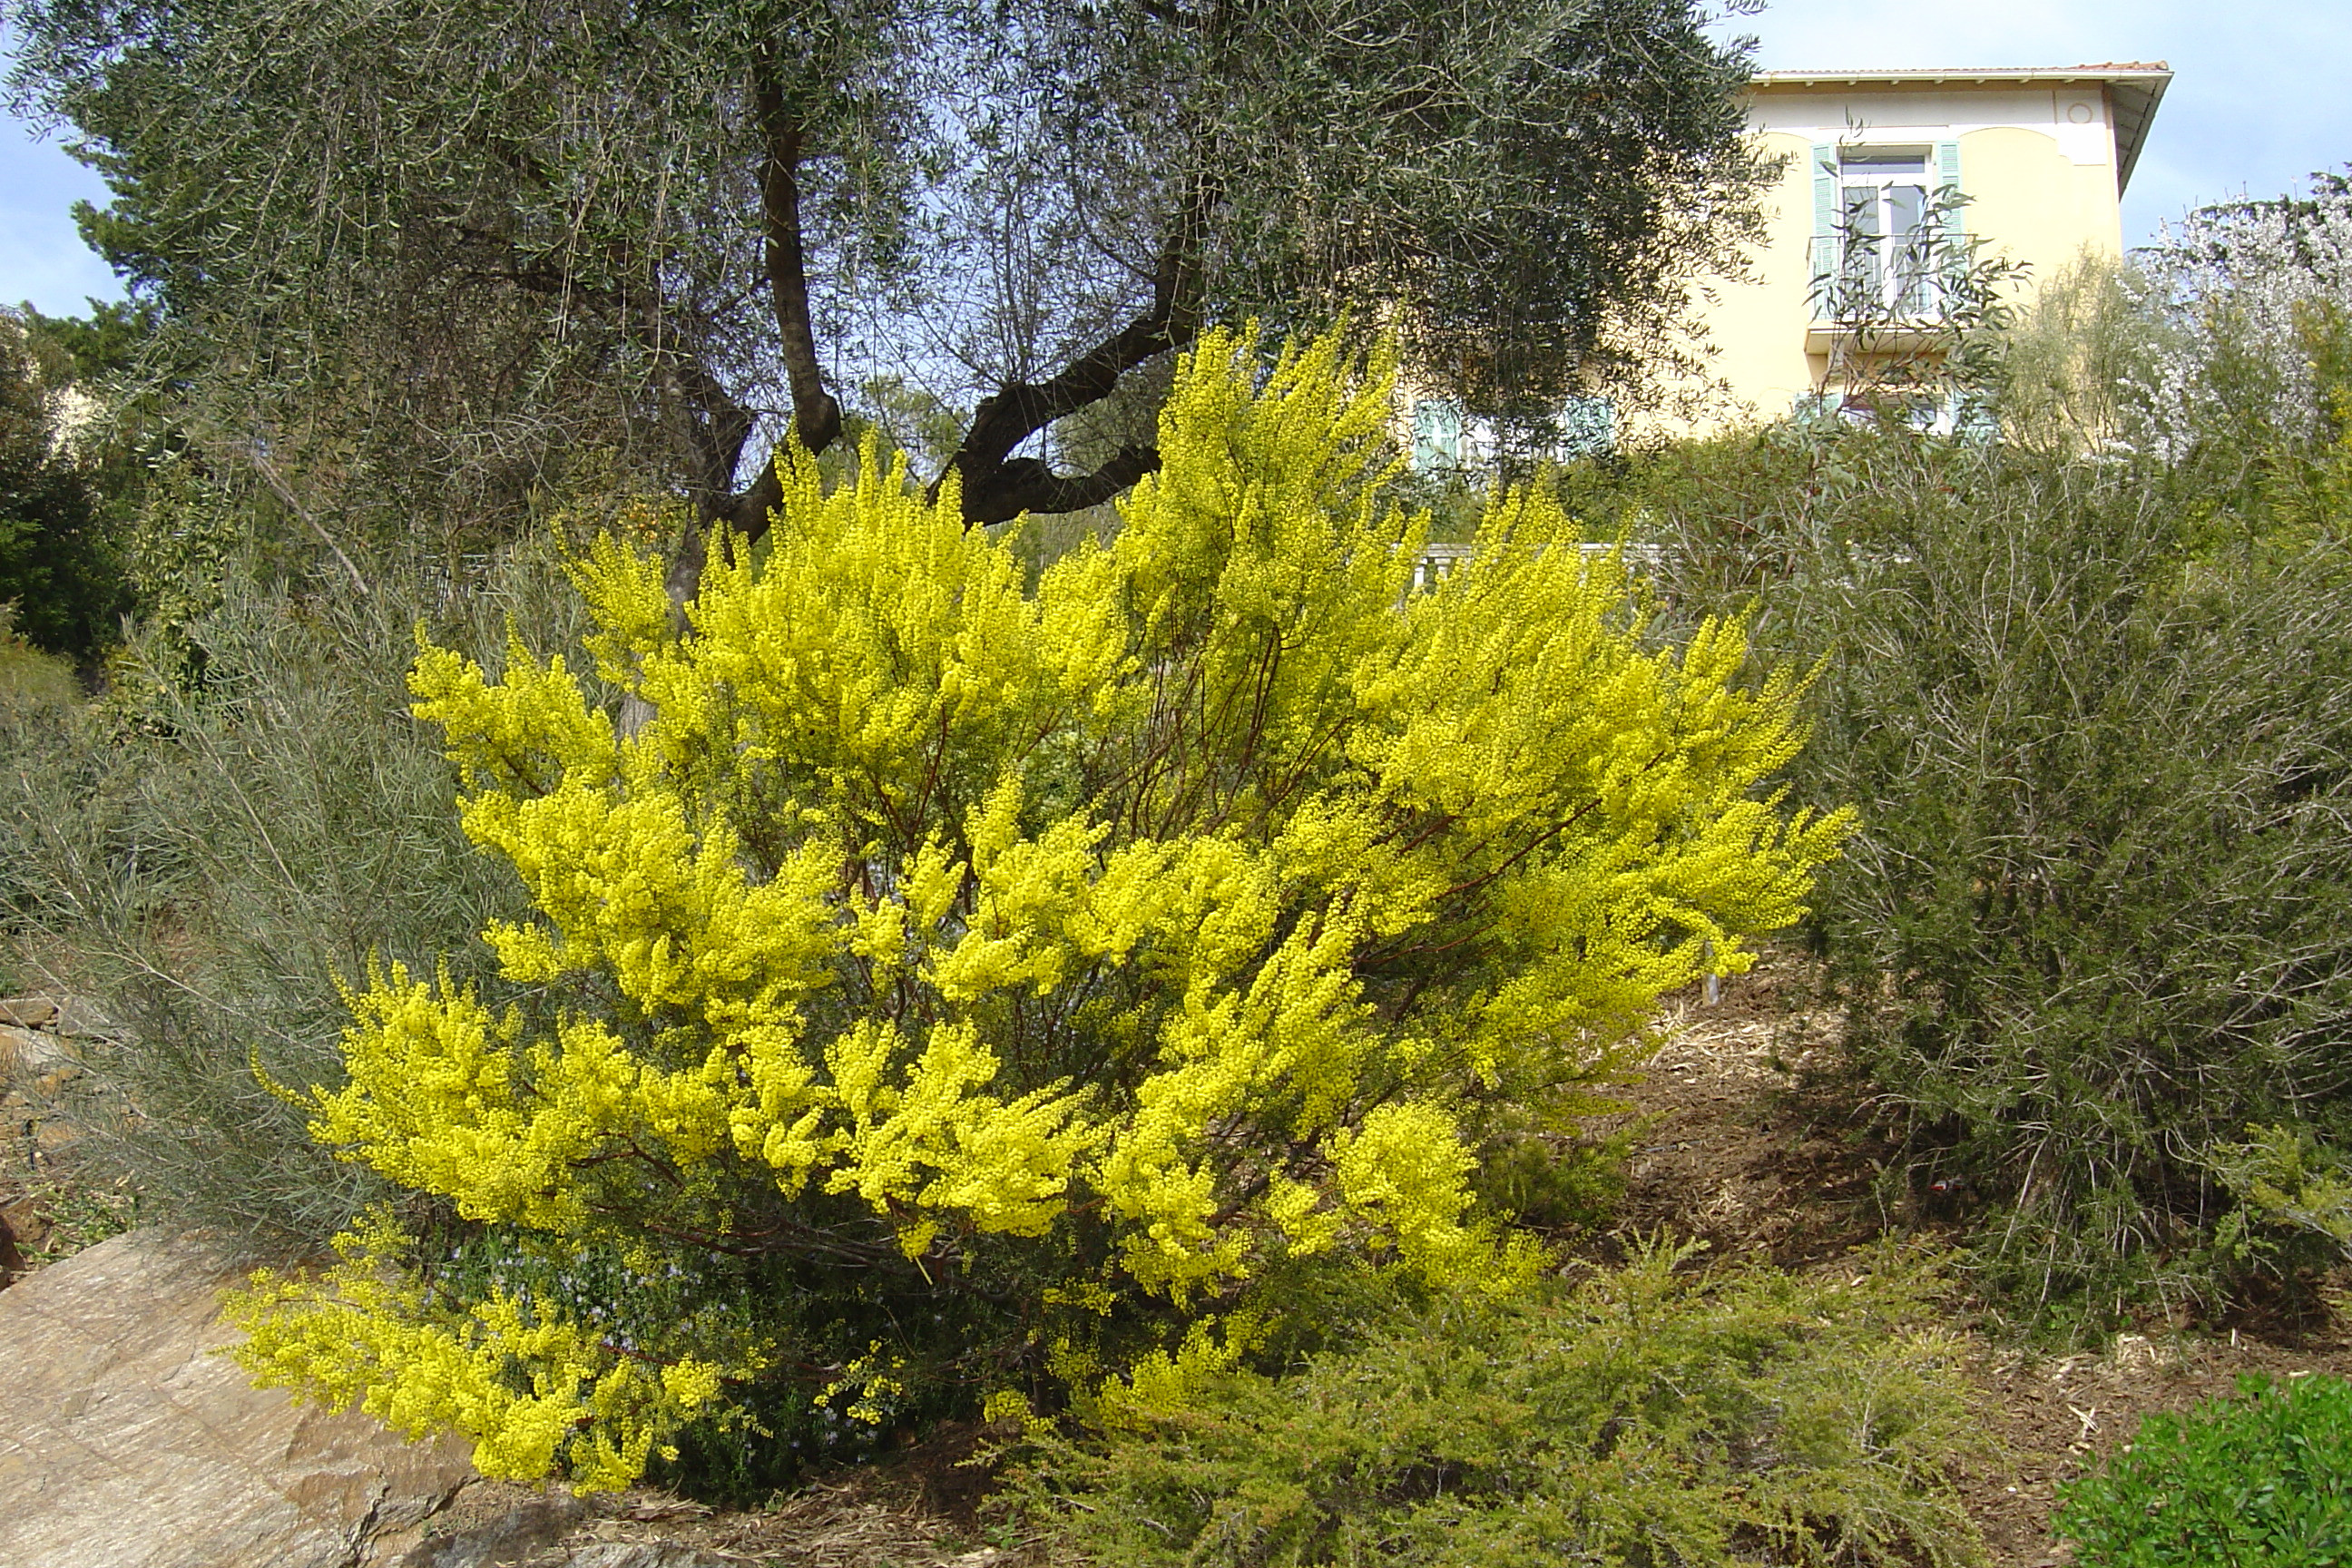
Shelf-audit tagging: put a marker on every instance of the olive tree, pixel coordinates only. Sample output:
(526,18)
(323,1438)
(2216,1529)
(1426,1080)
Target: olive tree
(428,255)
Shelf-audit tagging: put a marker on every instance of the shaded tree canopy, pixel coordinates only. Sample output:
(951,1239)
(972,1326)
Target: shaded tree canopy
(429,251)
(57,583)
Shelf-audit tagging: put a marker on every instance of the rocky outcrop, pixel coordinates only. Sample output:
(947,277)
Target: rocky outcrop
(44,1087)
(34,1036)
(126,1442)
(486,1523)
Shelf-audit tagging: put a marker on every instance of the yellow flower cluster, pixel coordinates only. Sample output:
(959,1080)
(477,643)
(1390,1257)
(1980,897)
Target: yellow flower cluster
(1205,894)
(873,1385)
(361,1336)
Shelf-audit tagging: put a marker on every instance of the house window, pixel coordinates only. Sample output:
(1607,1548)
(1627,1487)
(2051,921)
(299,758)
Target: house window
(1886,230)
(1437,433)
(1447,437)
(1588,428)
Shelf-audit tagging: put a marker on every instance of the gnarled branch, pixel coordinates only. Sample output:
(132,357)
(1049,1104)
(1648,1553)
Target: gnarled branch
(816,414)
(996,485)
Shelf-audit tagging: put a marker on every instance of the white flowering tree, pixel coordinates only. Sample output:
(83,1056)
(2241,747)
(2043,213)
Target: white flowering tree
(2254,297)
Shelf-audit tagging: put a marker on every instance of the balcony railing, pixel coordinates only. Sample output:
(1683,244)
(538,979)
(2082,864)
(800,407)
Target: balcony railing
(1864,281)
(1438,561)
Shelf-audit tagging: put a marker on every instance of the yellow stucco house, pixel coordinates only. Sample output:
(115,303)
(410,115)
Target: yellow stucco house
(2043,157)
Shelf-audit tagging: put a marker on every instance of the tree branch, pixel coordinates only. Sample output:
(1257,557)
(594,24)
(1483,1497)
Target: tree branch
(1030,484)
(816,416)
(285,494)
(699,414)
(998,486)
(713,427)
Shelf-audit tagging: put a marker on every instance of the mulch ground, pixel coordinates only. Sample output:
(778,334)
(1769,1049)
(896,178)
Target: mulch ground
(1749,1138)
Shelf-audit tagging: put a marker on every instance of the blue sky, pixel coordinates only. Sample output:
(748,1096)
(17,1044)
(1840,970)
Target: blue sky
(2259,101)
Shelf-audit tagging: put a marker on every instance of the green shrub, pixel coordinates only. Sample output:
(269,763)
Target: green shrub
(2294,1197)
(1651,1416)
(2260,1481)
(29,677)
(59,562)
(2094,924)
(1733,514)
(205,861)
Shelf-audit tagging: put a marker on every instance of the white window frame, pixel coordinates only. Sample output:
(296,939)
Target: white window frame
(1902,273)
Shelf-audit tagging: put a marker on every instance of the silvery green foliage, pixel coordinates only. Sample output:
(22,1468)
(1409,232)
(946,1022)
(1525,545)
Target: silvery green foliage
(2239,288)
(414,262)
(202,859)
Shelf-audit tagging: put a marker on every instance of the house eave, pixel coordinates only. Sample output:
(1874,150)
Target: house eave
(2135,90)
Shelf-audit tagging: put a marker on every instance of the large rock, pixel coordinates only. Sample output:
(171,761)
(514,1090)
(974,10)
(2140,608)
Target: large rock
(486,1524)
(29,1012)
(125,1442)
(28,1053)
(72,1015)
(639,1554)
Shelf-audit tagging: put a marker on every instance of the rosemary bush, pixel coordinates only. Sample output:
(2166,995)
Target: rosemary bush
(204,861)
(2094,924)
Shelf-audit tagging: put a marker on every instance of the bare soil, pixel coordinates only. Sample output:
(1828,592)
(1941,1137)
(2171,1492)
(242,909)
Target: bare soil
(915,1510)
(1752,1138)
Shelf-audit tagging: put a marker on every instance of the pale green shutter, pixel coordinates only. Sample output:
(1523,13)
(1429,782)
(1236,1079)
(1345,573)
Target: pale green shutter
(1588,427)
(1947,177)
(1436,434)
(1826,222)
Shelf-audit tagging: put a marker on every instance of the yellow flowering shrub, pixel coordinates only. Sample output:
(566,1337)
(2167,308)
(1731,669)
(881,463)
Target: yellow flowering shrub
(959,983)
